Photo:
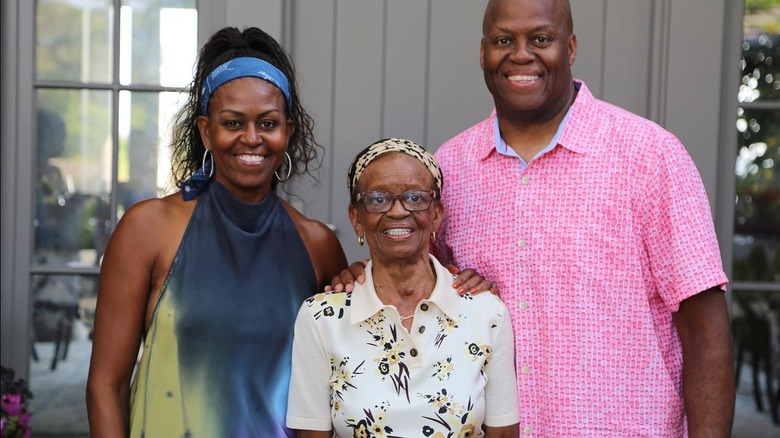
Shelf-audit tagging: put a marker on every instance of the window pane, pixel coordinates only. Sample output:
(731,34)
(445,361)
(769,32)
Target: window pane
(757,221)
(72,218)
(755,312)
(63,312)
(144,154)
(761,52)
(74,40)
(158,42)
(755,317)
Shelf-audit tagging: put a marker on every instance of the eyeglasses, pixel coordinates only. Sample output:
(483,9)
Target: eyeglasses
(382,202)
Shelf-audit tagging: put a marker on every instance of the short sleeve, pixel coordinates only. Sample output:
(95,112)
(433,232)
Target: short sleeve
(501,400)
(308,406)
(677,227)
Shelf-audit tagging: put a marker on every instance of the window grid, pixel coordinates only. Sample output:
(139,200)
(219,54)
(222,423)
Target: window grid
(115,87)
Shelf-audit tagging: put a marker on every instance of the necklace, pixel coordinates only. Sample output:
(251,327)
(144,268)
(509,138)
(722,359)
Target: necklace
(404,318)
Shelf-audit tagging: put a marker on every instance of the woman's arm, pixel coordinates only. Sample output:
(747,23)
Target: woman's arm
(502,432)
(501,400)
(124,291)
(308,404)
(327,255)
(312,434)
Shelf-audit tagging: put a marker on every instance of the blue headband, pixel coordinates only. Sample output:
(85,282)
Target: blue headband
(241,68)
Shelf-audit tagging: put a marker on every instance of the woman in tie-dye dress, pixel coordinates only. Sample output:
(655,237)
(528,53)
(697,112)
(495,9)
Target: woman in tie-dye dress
(210,278)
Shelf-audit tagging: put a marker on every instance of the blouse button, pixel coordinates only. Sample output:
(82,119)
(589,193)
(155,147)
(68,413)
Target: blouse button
(413,352)
(421,329)
(424,307)
(527,430)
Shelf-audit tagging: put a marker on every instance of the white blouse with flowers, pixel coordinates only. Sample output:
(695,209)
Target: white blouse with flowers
(356,370)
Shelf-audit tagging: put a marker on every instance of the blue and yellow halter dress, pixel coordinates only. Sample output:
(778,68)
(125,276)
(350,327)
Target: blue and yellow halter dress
(216,359)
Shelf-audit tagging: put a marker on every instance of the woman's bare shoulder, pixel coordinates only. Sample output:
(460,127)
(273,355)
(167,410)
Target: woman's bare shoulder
(155,219)
(159,211)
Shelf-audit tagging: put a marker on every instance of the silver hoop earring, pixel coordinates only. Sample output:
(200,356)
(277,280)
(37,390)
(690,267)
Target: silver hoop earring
(205,160)
(289,169)
(360,240)
(433,237)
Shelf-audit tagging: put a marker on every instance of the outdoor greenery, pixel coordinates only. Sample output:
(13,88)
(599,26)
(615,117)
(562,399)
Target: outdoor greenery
(757,212)
(758,6)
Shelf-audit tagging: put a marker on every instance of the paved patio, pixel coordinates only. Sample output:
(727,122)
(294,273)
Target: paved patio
(60,411)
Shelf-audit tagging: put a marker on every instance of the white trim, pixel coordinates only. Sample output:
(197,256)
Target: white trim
(17,187)
(726,183)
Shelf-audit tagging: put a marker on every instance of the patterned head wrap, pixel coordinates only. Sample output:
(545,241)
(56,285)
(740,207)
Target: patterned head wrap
(408,147)
(241,68)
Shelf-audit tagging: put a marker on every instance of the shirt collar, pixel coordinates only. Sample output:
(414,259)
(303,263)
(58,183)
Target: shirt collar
(566,135)
(366,303)
(583,112)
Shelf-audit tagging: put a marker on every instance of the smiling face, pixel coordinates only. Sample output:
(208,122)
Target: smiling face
(247,133)
(397,236)
(526,55)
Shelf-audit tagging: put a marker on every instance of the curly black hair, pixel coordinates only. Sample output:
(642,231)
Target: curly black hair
(224,45)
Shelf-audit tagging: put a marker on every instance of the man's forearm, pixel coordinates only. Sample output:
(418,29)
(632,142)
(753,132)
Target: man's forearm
(708,365)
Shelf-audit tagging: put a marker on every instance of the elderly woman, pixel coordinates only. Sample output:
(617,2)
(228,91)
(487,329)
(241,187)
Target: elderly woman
(402,354)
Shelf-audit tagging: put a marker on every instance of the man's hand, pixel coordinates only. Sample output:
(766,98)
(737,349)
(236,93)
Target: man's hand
(469,281)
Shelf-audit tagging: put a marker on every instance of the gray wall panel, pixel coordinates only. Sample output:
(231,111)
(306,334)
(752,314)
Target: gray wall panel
(694,83)
(627,46)
(357,101)
(370,68)
(312,47)
(13,336)
(265,14)
(411,68)
(589,25)
(457,96)
(726,177)
(406,70)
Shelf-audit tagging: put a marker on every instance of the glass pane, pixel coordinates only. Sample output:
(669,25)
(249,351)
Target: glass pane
(158,42)
(72,215)
(144,164)
(755,318)
(755,314)
(761,52)
(757,221)
(74,40)
(63,312)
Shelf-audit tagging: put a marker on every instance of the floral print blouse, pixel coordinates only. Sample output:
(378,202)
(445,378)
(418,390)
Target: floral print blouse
(357,371)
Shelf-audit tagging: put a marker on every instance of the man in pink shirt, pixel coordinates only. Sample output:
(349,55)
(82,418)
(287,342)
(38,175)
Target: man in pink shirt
(595,225)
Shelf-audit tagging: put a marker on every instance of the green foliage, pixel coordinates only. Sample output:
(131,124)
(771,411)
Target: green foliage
(756,6)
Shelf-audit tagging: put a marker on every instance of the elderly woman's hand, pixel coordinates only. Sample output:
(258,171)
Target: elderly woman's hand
(469,281)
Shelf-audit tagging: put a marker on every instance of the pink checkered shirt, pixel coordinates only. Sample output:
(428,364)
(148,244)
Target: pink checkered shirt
(593,245)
